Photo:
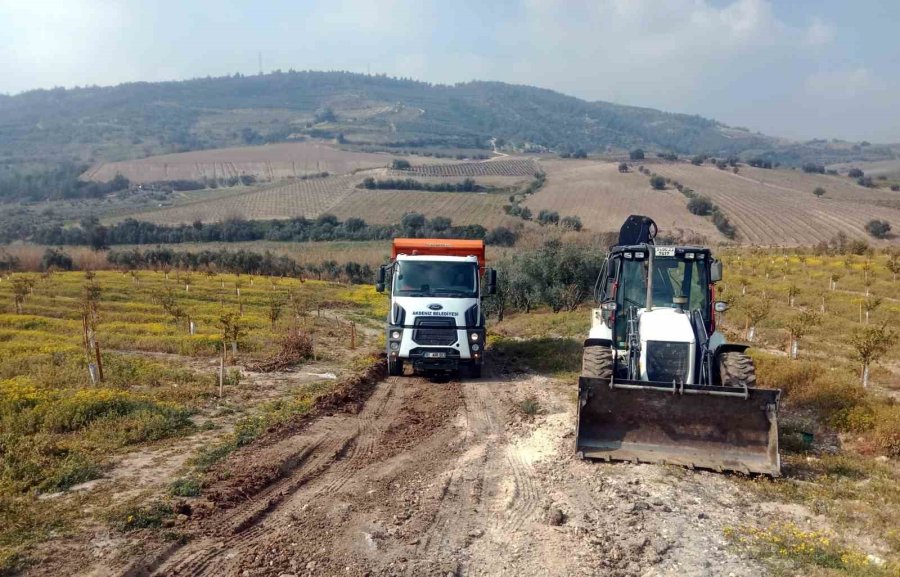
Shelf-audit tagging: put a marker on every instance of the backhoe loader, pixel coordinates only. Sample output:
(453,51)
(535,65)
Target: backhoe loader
(659,383)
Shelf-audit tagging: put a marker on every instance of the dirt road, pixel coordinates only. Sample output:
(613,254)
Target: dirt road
(452,478)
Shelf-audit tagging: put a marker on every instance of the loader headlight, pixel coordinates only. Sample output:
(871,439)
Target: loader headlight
(476,347)
(395,335)
(473,336)
(395,346)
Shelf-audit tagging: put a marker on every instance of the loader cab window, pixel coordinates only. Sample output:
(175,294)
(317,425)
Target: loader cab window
(672,277)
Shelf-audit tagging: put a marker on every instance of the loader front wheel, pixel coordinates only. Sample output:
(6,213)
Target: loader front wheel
(737,370)
(597,362)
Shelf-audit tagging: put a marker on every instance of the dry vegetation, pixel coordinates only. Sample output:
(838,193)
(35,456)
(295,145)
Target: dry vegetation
(777,207)
(389,206)
(603,198)
(498,167)
(268,163)
(308,198)
(160,398)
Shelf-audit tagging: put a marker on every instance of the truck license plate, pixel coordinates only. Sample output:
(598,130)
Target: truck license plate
(435,355)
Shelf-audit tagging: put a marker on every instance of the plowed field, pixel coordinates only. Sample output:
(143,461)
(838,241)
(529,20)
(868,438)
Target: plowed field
(270,162)
(779,208)
(308,198)
(603,198)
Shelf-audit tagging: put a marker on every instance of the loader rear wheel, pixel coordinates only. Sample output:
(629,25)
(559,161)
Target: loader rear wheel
(597,362)
(736,370)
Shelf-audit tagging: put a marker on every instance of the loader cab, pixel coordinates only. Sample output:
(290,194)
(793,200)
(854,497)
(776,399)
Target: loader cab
(681,280)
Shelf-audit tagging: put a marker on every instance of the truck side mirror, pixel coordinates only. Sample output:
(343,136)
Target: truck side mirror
(492,281)
(715,271)
(379,281)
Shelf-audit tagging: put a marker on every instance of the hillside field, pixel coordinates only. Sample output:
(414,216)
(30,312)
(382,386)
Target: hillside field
(766,206)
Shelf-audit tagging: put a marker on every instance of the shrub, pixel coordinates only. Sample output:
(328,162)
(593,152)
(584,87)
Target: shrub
(571,222)
(855,173)
(866,181)
(658,182)
(813,168)
(700,205)
(56,259)
(878,228)
(886,430)
(895,187)
(185,487)
(400,164)
(723,224)
(636,154)
(819,191)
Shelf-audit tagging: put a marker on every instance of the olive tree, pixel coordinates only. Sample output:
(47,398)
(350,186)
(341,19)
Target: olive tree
(870,343)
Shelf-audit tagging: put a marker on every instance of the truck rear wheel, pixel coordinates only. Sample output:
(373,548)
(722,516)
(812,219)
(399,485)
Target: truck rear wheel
(736,370)
(474,371)
(395,367)
(597,362)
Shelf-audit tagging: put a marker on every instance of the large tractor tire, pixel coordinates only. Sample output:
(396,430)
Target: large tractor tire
(395,367)
(736,370)
(597,362)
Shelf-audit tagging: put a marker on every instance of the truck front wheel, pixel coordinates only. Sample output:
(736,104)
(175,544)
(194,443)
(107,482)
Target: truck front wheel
(395,367)
(475,371)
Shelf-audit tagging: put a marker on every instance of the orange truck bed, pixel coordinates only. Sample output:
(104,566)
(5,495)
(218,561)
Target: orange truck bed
(438,247)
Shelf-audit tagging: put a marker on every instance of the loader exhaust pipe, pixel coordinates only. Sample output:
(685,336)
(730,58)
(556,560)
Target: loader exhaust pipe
(651,256)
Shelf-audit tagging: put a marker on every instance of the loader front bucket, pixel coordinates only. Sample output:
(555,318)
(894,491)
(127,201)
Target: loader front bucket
(718,428)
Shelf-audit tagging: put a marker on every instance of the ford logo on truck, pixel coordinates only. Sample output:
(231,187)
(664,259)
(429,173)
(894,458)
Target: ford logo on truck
(435,307)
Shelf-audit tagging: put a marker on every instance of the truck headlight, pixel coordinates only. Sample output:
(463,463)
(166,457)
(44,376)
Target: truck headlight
(476,347)
(395,335)
(473,336)
(395,346)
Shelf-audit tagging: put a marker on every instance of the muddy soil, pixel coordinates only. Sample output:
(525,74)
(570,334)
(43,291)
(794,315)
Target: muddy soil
(450,478)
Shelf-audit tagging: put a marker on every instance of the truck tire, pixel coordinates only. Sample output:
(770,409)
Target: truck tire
(395,367)
(474,371)
(597,362)
(736,370)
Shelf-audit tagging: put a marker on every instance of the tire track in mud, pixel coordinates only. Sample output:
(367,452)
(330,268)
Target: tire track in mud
(329,453)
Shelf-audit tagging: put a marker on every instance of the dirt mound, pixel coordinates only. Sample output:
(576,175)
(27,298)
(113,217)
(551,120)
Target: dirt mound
(256,466)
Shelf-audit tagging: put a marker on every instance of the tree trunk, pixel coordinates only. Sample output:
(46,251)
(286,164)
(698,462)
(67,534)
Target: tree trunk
(795,348)
(751,333)
(865,375)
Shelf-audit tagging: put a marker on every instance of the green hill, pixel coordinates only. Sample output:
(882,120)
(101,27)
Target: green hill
(141,119)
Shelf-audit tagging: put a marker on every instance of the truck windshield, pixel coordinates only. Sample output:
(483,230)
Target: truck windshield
(436,279)
(672,277)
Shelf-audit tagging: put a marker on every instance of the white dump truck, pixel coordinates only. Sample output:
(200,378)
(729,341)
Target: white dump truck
(436,320)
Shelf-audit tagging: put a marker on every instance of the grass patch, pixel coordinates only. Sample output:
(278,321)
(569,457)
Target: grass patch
(135,516)
(529,406)
(558,357)
(857,494)
(786,548)
(185,487)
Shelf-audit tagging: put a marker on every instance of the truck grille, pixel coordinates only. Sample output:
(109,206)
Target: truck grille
(436,332)
(667,362)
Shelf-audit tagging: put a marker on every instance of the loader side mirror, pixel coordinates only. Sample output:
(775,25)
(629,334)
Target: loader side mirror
(721,306)
(715,271)
(491,281)
(379,281)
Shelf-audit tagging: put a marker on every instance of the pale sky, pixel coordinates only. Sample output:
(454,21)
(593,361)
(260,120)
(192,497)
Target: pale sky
(795,68)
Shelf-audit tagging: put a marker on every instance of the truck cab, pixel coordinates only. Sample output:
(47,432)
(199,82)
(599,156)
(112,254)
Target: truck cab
(436,322)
